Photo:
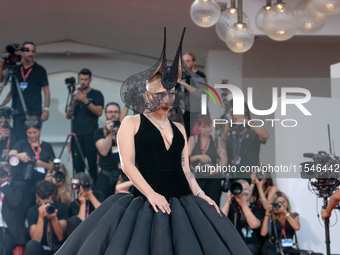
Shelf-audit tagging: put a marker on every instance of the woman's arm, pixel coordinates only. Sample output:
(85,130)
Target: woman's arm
(195,188)
(126,145)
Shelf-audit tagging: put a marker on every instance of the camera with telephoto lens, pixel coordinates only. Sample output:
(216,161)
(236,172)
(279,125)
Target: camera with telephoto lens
(4,170)
(276,205)
(58,175)
(77,183)
(236,188)
(260,175)
(50,208)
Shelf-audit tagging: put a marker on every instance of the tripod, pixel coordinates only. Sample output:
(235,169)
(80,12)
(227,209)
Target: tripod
(71,135)
(328,240)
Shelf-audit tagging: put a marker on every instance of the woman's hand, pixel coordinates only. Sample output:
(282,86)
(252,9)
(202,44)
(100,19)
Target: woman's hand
(23,157)
(210,201)
(205,159)
(157,200)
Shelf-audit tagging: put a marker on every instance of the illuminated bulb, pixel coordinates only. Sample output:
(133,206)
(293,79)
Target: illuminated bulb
(259,17)
(306,22)
(228,19)
(205,13)
(240,38)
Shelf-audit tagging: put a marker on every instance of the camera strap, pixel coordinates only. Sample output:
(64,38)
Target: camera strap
(36,153)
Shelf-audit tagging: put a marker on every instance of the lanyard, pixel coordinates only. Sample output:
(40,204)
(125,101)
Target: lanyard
(204,149)
(36,153)
(238,145)
(283,229)
(24,77)
(87,210)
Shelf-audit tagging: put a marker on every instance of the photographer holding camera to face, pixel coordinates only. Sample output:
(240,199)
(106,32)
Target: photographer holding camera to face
(32,78)
(47,222)
(35,158)
(245,216)
(86,202)
(105,139)
(12,219)
(279,225)
(7,138)
(58,175)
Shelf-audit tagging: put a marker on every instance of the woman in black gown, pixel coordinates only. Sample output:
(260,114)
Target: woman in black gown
(170,214)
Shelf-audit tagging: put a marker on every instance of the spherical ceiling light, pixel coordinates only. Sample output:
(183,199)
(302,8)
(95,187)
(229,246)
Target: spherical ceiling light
(314,12)
(306,23)
(259,17)
(280,22)
(228,19)
(327,7)
(205,13)
(240,38)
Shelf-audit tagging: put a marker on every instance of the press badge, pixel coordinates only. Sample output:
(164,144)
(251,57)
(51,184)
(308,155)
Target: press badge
(23,86)
(40,170)
(114,149)
(288,242)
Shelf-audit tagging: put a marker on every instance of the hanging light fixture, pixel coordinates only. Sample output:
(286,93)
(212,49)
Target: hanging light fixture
(306,23)
(260,14)
(227,19)
(327,7)
(280,22)
(205,13)
(240,38)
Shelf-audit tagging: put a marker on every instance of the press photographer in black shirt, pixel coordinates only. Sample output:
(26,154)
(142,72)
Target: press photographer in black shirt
(87,106)
(105,139)
(246,216)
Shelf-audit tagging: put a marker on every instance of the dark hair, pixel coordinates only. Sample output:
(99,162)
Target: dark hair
(44,189)
(203,119)
(177,117)
(85,71)
(28,42)
(112,103)
(83,177)
(33,122)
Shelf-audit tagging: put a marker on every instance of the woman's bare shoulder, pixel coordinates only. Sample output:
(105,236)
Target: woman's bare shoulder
(131,122)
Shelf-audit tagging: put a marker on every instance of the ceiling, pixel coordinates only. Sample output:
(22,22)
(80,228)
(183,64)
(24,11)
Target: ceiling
(129,26)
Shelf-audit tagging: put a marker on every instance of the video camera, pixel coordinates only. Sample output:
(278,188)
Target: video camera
(12,59)
(71,84)
(77,183)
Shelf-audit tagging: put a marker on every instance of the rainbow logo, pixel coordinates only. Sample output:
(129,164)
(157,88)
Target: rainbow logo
(210,94)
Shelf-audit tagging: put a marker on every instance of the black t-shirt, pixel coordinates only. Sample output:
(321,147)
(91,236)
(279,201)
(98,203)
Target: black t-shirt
(245,147)
(46,154)
(85,122)
(6,143)
(250,236)
(89,208)
(36,79)
(109,162)
(62,214)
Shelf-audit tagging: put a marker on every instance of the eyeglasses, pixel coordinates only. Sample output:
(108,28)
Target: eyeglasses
(112,112)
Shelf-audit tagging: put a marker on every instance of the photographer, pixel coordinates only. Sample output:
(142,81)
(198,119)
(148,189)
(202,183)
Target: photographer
(60,179)
(12,220)
(35,158)
(279,225)
(87,106)
(7,138)
(47,222)
(333,202)
(245,216)
(86,202)
(243,142)
(32,78)
(105,139)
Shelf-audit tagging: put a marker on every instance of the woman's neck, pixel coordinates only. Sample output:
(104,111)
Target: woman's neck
(35,143)
(157,115)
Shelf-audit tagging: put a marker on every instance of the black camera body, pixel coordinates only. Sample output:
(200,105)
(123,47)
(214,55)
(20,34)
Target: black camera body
(80,183)
(50,208)
(116,123)
(276,205)
(29,168)
(59,176)
(6,112)
(236,188)
(71,84)
(260,175)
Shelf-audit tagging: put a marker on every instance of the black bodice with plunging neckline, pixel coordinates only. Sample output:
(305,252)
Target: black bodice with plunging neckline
(160,167)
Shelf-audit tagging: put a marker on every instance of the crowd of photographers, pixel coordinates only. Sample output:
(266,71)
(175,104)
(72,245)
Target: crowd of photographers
(40,205)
